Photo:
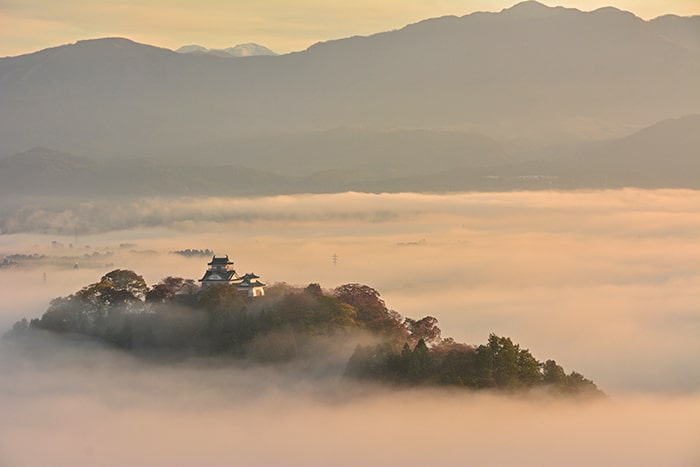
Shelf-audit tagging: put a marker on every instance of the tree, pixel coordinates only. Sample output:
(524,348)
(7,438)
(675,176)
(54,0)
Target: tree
(95,295)
(68,314)
(425,328)
(528,368)
(314,289)
(103,297)
(372,312)
(364,299)
(457,364)
(159,293)
(421,367)
(505,362)
(126,280)
(553,374)
(221,297)
(497,363)
(167,288)
(331,315)
(371,362)
(20,328)
(577,384)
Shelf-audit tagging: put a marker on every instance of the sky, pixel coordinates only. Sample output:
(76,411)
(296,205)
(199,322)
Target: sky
(282,25)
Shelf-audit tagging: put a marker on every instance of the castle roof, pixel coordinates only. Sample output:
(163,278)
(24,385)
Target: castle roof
(222,276)
(219,261)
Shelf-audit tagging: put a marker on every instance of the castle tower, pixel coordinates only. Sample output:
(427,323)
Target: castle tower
(221,271)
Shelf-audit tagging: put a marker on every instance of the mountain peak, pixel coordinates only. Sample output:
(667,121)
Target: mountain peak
(191,48)
(240,50)
(111,44)
(44,154)
(104,46)
(249,49)
(106,41)
(528,9)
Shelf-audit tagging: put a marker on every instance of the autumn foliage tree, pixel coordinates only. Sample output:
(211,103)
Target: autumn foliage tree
(169,287)
(371,310)
(364,299)
(175,316)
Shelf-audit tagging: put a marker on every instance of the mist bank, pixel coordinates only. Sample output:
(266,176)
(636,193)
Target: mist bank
(587,277)
(408,213)
(99,406)
(176,318)
(605,281)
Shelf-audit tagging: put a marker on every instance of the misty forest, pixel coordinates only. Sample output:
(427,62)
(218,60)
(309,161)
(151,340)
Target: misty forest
(453,220)
(175,317)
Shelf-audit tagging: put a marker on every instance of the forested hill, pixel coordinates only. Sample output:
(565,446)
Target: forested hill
(177,319)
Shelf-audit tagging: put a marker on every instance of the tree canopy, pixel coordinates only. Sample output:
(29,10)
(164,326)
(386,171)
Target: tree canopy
(177,316)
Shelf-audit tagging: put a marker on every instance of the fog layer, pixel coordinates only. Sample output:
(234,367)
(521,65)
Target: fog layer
(607,283)
(107,409)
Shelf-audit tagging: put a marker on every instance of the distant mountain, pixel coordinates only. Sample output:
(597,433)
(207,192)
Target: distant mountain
(264,164)
(42,172)
(191,49)
(378,152)
(530,73)
(240,50)
(683,31)
(664,155)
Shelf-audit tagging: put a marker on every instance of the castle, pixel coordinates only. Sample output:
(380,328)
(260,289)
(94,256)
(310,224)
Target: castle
(221,271)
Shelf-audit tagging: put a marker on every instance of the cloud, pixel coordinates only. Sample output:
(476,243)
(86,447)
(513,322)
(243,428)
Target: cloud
(88,405)
(606,283)
(582,210)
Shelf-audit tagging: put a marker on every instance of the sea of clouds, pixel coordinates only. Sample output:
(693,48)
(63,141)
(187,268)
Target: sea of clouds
(605,282)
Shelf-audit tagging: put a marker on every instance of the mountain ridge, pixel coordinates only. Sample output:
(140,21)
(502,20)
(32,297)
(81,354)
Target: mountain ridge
(484,73)
(248,49)
(660,156)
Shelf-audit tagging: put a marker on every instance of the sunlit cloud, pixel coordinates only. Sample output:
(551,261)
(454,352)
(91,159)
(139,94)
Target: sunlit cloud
(86,412)
(607,283)
(590,278)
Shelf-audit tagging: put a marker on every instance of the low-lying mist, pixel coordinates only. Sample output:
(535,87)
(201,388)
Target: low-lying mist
(86,405)
(607,283)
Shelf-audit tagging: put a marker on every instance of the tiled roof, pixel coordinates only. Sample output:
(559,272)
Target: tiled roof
(250,284)
(223,276)
(221,260)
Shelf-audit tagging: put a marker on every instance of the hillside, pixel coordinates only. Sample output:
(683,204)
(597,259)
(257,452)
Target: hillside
(176,319)
(48,173)
(660,156)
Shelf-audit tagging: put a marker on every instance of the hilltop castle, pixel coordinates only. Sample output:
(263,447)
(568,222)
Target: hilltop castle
(221,271)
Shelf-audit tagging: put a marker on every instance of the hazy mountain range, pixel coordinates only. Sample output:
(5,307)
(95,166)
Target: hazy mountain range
(662,156)
(529,97)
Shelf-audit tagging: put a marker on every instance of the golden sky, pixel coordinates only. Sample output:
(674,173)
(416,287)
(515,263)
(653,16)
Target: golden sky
(282,25)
